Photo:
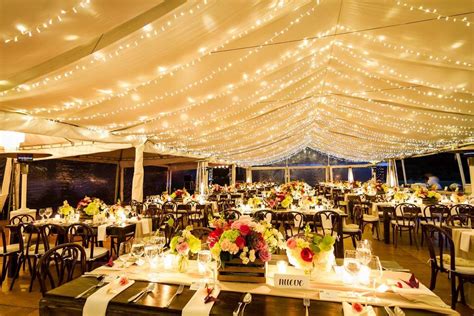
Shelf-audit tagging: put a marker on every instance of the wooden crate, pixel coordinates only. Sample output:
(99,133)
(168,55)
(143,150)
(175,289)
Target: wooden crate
(235,271)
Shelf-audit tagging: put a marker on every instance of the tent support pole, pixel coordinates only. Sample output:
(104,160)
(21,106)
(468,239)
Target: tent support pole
(461,170)
(138,174)
(404,171)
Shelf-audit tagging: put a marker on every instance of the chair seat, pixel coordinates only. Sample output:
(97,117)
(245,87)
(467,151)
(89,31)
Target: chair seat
(400,222)
(370,218)
(350,228)
(32,249)
(463,266)
(439,224)
(10,249)
(98,252)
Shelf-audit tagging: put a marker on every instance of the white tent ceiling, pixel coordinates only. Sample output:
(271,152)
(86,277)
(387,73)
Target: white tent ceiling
(245,81)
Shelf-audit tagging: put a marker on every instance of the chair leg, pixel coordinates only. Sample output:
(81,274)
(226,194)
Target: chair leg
(434,274)
(353,241)
(461,288)
(454,292)
(377,230)
(5,265)
(409,234)
(422,235)
(21,260)
(396,236)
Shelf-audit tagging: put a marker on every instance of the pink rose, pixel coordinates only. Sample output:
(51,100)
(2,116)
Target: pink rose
(264,255)
(291,243)
(182,248)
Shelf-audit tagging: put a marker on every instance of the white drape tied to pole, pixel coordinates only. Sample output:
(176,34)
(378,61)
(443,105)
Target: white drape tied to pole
(248,175)
(233,176)
(350,175)
(202,177)
(138,174)
(6,182)
(392,178)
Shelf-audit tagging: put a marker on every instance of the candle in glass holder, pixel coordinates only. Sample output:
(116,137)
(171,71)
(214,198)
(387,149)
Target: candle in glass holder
(282,266)
(168,261)
(57,217)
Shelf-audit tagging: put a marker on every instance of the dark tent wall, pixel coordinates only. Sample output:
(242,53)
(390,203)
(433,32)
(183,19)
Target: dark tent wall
(154,181)
(50,182)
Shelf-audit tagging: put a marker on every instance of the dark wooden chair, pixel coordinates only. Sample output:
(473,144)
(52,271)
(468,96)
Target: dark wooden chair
(443,259)
(21,219)
(363,216)
(404,219)
(267,215)
(230,214)
(85,235)
(201,233)
(10,254)
(59,265)
(326,223)
(435,214)
(168,226)
(292,223)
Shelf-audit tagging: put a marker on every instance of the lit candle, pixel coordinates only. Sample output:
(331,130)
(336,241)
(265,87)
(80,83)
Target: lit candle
(282,266)
(168,261)
(57,217)
(202,268)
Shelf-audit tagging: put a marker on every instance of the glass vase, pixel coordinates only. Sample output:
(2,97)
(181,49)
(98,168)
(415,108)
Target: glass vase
(183,263)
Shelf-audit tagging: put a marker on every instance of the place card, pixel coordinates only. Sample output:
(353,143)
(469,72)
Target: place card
(290,281)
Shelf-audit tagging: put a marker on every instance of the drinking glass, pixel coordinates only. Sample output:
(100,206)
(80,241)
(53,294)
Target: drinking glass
(42,211)
(352,265)
(376,273)
(138,249)
(204,258)
(364,251)
(159,240)
(151,253)
(124,252)
(48,212)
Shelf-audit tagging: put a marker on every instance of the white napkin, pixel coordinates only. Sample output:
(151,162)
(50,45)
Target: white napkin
(348,311)
(465,240)
(145,226)
(196,305)
(101,231)
(96,304)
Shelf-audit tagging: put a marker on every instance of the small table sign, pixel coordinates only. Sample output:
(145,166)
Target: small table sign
(290,281)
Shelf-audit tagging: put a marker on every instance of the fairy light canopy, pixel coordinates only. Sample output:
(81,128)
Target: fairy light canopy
(250,82)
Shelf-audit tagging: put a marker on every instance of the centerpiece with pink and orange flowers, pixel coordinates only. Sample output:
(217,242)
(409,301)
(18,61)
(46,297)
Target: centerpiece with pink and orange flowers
(243,243)
(311,251)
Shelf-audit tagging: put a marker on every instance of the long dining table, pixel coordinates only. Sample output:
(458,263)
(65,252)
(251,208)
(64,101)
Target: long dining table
(326,292)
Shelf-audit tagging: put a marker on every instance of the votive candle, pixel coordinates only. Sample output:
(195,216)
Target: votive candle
(282,266)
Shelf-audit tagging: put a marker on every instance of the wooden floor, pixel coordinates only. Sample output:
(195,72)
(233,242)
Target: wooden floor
(20,302)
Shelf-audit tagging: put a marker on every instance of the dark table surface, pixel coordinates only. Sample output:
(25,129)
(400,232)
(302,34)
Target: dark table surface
(61,301)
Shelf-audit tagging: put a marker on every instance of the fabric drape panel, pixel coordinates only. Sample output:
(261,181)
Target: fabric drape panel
(138,174)
(6,182)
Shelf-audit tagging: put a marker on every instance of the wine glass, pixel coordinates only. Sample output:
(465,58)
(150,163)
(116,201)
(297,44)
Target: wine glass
(151,253)
(159,240)
(124,252)
(48,212)
(376,273)
(352,265)
(42,211)
(364,251)
(138,249)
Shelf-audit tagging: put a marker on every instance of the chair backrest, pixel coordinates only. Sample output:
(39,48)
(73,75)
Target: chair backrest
(459,209)
(265,215)
(5,242)
(439,248)
(169,226)
(230,214)
(201,233)
(406,212)
(435,213)
(34,239)
(326,222)
(59,264)
(292,222)
(21,219)
(169,207)
(54,232)
(152,210)
(82,233)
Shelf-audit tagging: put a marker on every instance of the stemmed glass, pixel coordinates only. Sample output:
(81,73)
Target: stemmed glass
(138,249)
(48,212)
(352,266)
(159,240)
(42,211)
(124,252)
(364,252)
(204,258)
(376,273)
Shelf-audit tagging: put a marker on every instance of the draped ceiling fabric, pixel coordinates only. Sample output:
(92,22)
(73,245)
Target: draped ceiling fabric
(249,82)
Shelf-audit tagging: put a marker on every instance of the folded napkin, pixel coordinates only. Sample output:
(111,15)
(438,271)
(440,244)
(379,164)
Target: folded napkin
(96,304)
(465,242)
(349,310)
(101,231)
(196,305)
(146,226)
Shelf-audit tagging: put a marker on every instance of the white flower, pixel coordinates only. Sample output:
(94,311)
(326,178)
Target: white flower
(252,255)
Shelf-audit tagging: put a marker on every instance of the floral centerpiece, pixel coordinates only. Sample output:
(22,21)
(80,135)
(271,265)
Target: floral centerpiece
(427,196)
(242,243)
(458,197)
(311,251)
(183,243)
(66,210)
(179,194)
(90,206)
(255,202)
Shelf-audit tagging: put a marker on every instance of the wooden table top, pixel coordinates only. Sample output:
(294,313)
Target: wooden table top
(61,301)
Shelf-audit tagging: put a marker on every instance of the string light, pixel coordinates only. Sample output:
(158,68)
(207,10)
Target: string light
(24,32)
(434,12)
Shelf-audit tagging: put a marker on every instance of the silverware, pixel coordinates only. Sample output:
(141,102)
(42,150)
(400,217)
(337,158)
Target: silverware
(398,311)
(237,310)
(150,288)
(178,292)
(247,300)
(389,311)
(306,303)
(100,284)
